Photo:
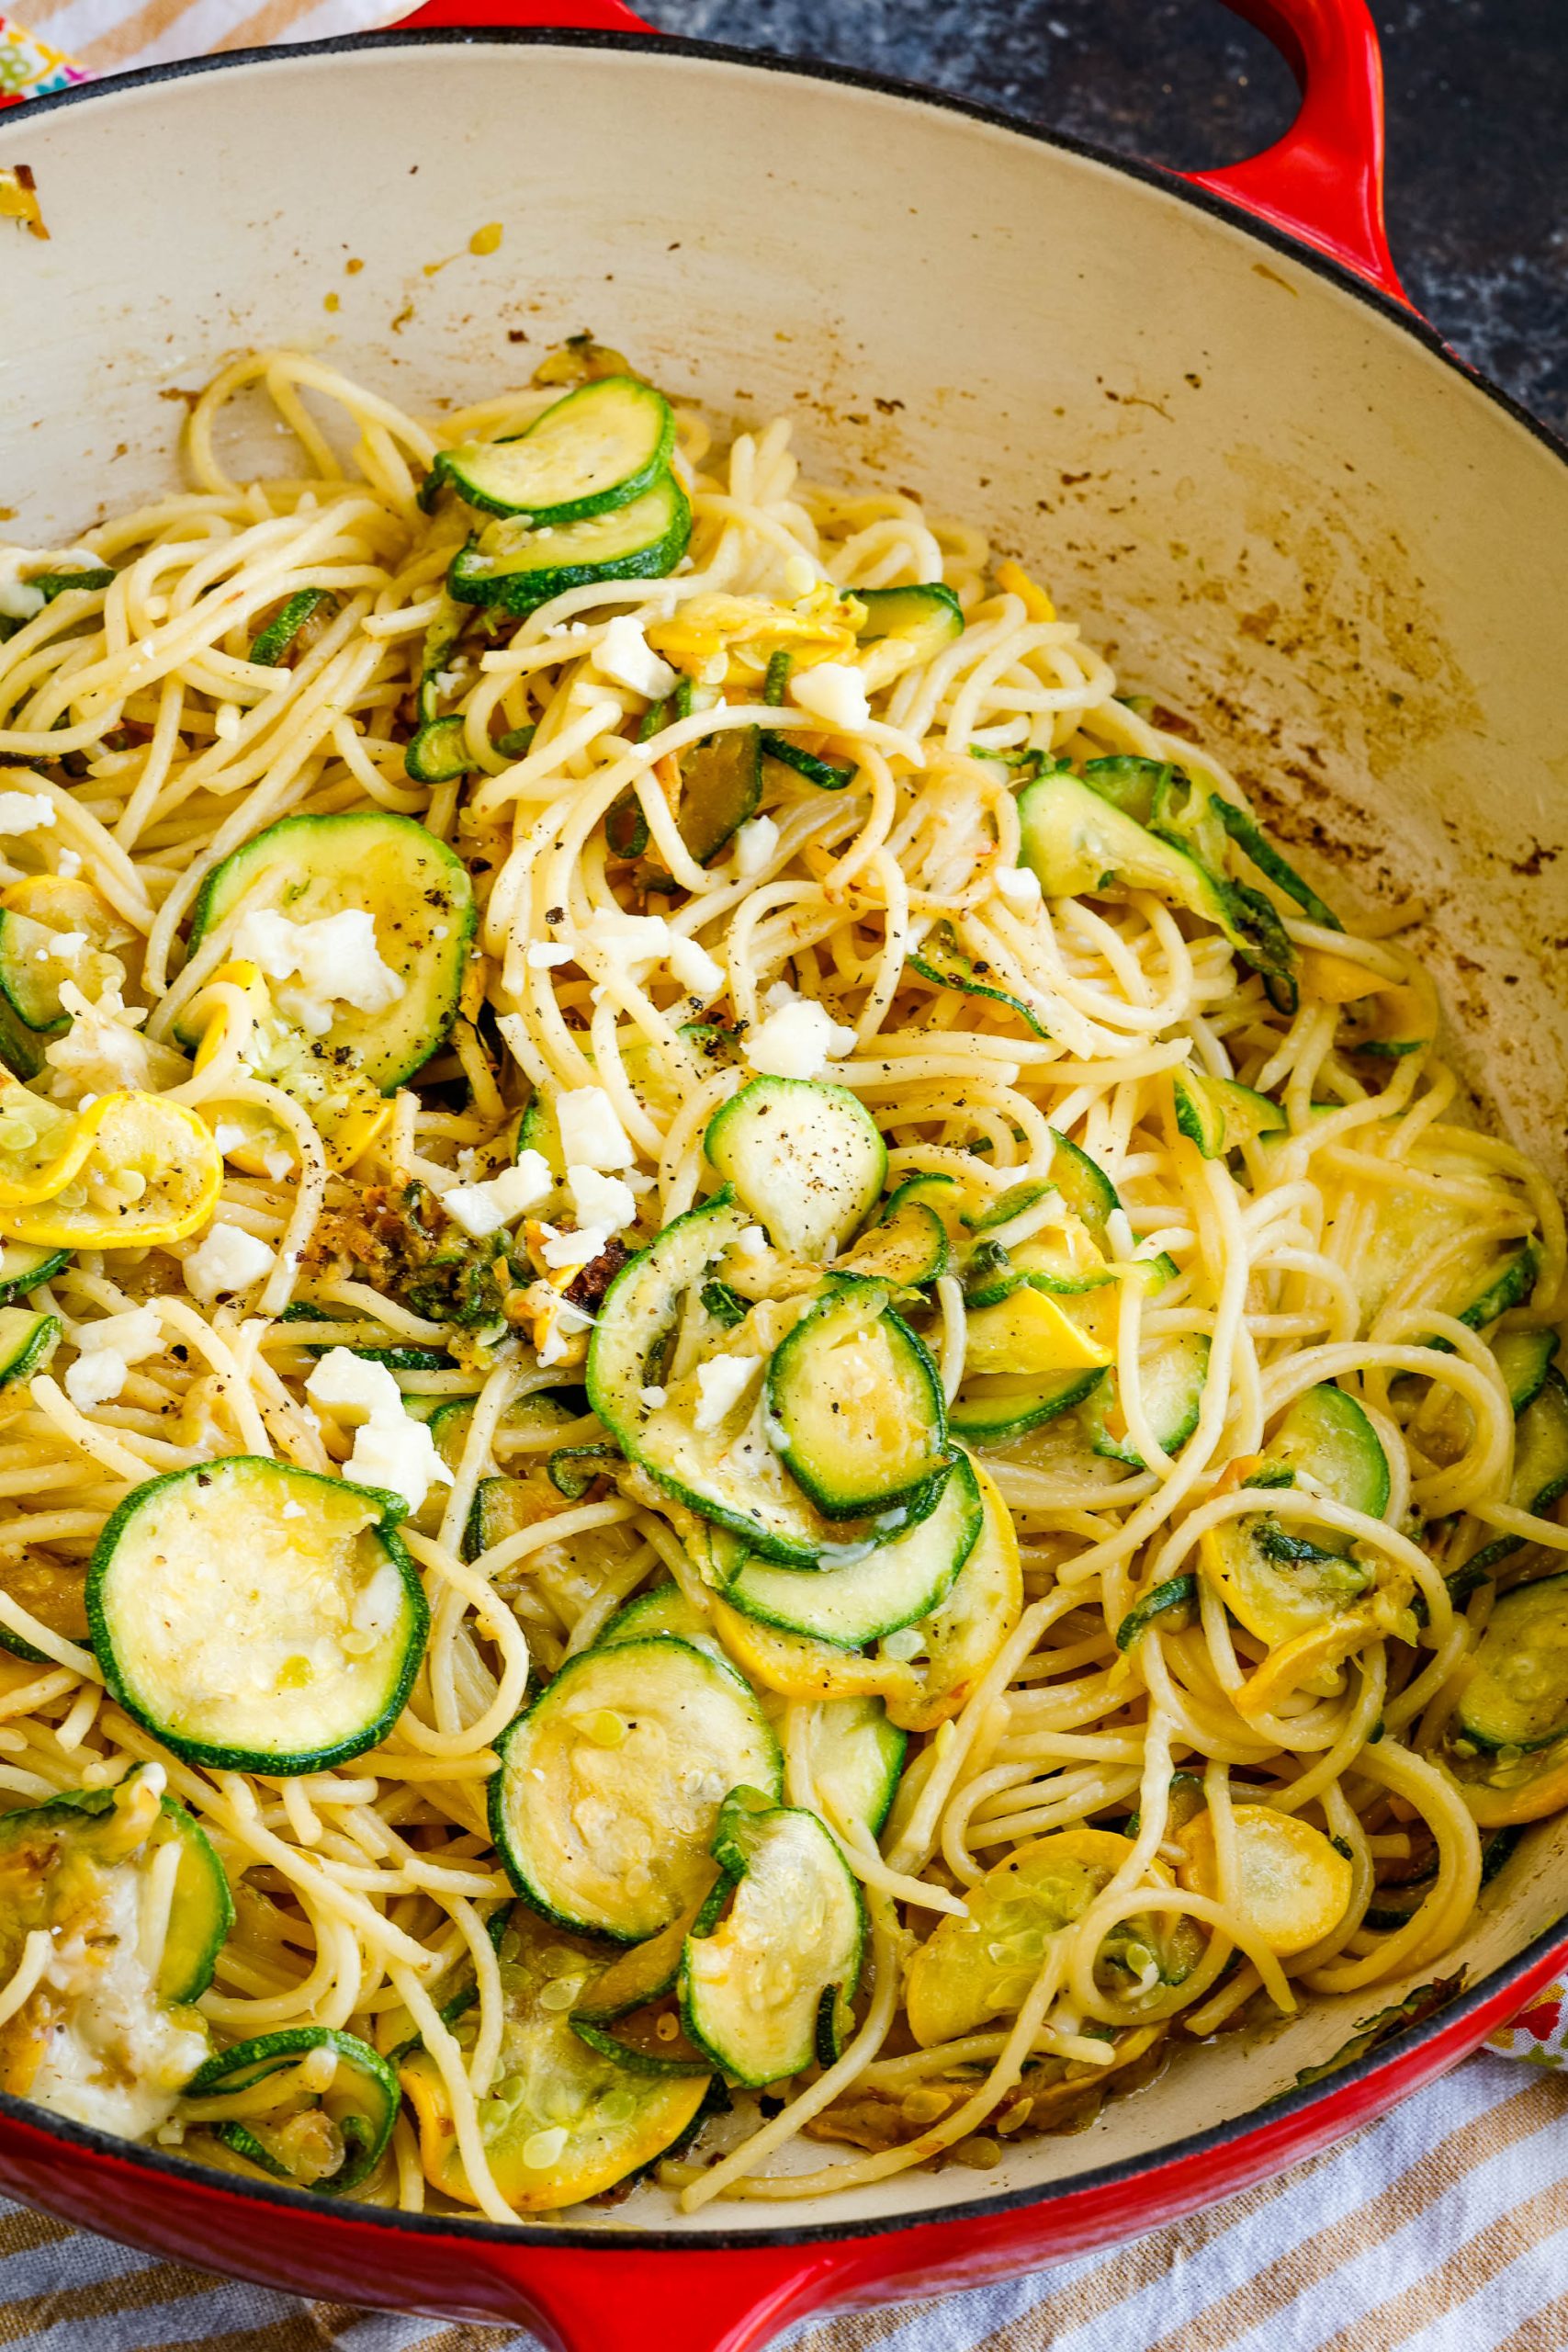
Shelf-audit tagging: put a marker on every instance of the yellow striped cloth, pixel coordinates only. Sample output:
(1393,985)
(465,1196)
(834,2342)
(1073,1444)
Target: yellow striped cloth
(1442,2228)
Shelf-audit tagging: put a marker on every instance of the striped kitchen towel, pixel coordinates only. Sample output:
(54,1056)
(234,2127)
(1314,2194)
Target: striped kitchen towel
(65,40)
(1442,2228)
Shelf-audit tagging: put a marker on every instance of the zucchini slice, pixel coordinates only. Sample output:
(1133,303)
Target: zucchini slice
(49,1591)
(1080,844)
(1083,1184)
(1173,1374)
(825,775)
(771,1965)
(897,1585)
(1274,1580)
(589,453)
(907,1248)
(731,1476)
(941,960)
(438,753)
(330,2139)
(1524,1359)
(1029,1334)
(1518,1694)
(568,2117)
(807,1159)
(995,1410)
(721,785)
(1293,1885)
(27,1342)
(665,1609)
(610,1783)
(923,618)
(269,646)
(971,1973)
(422,901)
(1219,1113)
(1540,1477)
(857,1757)
(518,569)
(1175,1598)
(24,1269)
(46,1849)
(287,1653)
(855,1407)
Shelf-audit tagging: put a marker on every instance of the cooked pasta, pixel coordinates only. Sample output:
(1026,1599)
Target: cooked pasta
(751,1391)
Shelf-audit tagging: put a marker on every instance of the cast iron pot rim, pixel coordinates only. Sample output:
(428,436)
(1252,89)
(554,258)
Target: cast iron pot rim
(607,2238)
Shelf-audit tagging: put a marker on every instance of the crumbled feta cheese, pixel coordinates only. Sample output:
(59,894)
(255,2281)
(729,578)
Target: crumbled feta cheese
(24,812)
(1019,884)
(797,1039)
(833,692)
(389,1449)
(68,946)
(625,656)
(752,1241)
(580,1249)
(108,1349)
(101,1053)
(722,1382)
(591,1134)
(694,967)
(544,954)
(395,1452)
(483,1209)
(600,1200)
(652,1397)
(335,957)
(230,1259)
(20,598)
(754,845)
(352,1388)
(631,941)
(67,864)
(95,1378)
(293,1509)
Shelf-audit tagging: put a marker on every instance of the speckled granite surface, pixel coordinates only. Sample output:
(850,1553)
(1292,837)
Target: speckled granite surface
(1477,109)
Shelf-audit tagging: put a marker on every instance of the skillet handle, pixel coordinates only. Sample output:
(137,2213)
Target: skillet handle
(1323,181)
(700,2299)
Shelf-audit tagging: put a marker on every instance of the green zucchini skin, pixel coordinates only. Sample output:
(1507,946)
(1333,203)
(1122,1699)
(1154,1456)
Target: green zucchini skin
(618,436)
(202,1911)
(24,1269)
(928,615)
(518,572)
(368,2130)
(942,961)
(268,648)
(1175,1593)
(786,1896)
(322,865)
(997,1408)
(899,1583)
(558,1873)
(26,1343)
(1517,1696)
(825,775)
(438,753)
(830,1461)
(1539,1478)
(104,1607)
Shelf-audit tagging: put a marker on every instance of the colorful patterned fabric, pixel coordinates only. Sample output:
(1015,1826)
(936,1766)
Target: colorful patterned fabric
(29,68)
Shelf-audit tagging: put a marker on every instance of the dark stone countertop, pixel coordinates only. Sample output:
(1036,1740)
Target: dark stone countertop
(1477,113)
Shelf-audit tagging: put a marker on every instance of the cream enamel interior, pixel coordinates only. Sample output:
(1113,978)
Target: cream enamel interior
(1256,491)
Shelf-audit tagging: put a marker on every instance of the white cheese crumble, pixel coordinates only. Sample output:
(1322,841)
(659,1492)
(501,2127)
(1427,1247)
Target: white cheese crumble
(67,864)
(228,1258)
(591,1134)
(482,1209)
(754,845)
(833,692)
(1019,884)
(722,1382)
(602,1200)
(797,1038)
(390,1450)
(563,1323)
(752,1241)
(695,968)
(627,942)
(558,1249)
(20,598)
(24,812)
(335,959)
(544,954)
(108,1349)
(625,656)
